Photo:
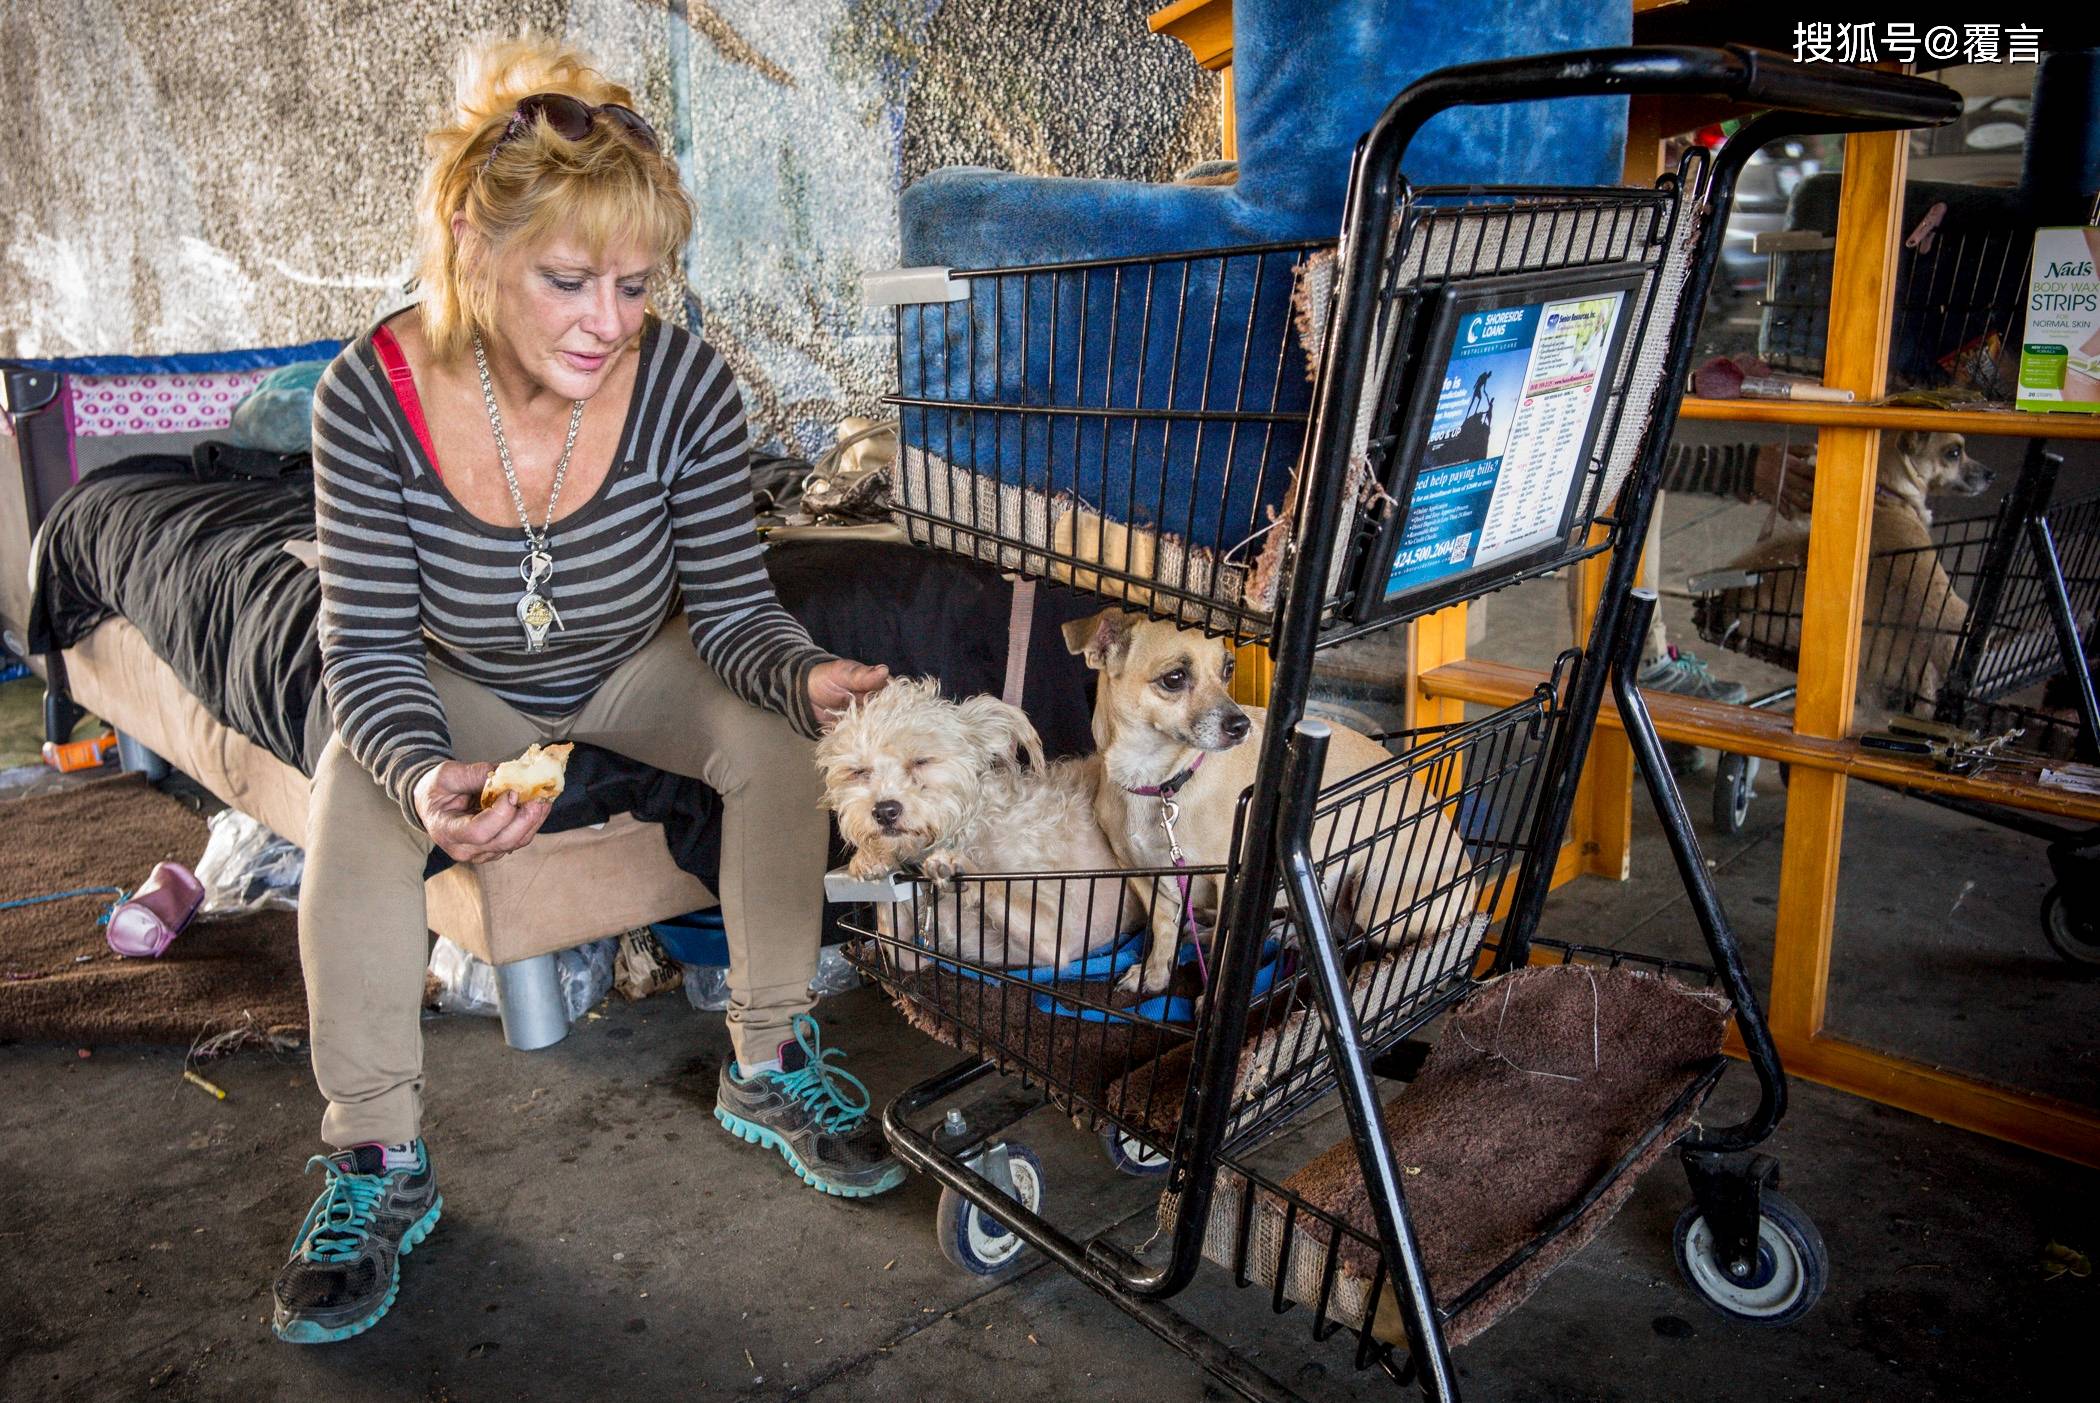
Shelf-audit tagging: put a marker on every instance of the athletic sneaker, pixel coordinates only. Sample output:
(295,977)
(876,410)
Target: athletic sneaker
(1687,675)
(814,1113)
(345,1267)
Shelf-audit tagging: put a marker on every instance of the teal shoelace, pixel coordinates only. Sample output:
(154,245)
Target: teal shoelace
(335,1226)
(827,1091)
(1684,662)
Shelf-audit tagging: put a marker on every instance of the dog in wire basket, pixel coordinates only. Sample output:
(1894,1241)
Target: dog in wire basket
(1176,753)
(1914,616)
(924,784)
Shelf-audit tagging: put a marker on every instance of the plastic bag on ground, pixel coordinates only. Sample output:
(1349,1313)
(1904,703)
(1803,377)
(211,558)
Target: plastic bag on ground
(834,975)
(707,986)
(586,974)
(246,868)
(467,985)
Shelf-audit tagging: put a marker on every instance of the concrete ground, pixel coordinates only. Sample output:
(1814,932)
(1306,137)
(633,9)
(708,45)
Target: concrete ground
(603,1237)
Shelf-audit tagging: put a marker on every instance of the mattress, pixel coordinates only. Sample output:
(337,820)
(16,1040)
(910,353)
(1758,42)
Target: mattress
(563,889)
(199,571)
(184,620)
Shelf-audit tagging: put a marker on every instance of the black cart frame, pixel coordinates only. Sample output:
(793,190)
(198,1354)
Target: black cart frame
(1360,400)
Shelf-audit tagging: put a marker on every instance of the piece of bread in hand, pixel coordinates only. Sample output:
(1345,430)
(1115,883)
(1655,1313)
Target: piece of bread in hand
(537,774)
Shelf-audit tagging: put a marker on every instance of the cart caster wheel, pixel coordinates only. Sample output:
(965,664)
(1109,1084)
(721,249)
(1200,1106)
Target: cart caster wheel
(2073,935)
(976,1241)
(1733,778)
(1131,1155)
(1788,1278)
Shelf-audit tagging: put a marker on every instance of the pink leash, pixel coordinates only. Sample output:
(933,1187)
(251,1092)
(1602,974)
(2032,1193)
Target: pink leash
(1168,812)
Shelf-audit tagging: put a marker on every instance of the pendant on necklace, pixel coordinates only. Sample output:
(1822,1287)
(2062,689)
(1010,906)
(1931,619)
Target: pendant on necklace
(535,611)
(537,615)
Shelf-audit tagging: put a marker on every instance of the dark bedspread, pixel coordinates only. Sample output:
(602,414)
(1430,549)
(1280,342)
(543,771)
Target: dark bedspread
(200,569)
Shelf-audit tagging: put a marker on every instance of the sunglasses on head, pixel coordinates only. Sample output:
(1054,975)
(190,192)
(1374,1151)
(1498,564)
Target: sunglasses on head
(571,118)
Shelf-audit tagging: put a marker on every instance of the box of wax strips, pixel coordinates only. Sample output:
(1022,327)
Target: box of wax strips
(2060,349)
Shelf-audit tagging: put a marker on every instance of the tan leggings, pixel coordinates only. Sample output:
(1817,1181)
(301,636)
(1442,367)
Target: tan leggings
(362,934)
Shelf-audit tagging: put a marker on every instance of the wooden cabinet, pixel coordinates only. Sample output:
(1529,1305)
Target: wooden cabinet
(1815,740)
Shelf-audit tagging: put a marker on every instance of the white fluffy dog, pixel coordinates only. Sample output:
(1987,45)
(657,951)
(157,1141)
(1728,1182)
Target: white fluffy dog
(917,780)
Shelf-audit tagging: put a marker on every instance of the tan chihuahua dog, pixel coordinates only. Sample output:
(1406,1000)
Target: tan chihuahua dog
(1168,729)
(1909,594)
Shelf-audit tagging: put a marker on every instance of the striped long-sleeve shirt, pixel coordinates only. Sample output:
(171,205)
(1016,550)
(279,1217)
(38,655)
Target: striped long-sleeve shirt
(407,573)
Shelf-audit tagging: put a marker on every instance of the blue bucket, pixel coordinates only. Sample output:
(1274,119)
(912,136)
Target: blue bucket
(696,938)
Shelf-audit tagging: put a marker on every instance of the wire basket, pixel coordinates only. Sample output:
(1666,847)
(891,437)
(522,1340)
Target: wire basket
(1415,854)
(1954,630)
(1135,428)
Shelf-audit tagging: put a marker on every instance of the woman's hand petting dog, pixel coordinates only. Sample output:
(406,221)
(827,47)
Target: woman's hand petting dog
(836,685)
(448,800)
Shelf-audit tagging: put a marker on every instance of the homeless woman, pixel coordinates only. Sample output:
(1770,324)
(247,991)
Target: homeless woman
(535,525)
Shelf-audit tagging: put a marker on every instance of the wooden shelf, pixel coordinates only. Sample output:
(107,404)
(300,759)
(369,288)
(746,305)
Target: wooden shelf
(1999,423)
(1204,25)
(1768,735)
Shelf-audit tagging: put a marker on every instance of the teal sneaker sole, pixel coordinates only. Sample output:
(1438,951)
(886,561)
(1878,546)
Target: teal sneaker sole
(758,1135)
(307,1332)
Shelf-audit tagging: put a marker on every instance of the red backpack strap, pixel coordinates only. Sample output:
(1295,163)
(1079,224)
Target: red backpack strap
(404,382)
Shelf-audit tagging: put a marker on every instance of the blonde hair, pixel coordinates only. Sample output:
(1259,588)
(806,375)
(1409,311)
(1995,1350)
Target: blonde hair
(606,189)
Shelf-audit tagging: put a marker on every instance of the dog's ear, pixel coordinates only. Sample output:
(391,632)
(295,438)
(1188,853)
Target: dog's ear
(999,728)
(1102,639)
(1913,442)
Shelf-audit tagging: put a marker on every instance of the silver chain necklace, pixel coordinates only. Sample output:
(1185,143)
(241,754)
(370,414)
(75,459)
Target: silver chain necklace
(535,611)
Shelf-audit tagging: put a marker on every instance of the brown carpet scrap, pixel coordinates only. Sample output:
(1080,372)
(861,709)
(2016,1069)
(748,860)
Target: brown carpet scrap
(60,981)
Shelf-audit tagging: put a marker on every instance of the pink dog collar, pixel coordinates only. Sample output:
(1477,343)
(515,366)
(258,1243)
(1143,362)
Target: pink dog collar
(1168,788)
(1168,812)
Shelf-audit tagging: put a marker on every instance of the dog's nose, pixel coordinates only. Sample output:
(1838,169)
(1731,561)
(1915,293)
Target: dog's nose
(1236,726)
(888,812)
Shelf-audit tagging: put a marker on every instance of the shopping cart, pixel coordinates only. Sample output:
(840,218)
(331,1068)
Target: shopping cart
(1204,497)
(1967,632)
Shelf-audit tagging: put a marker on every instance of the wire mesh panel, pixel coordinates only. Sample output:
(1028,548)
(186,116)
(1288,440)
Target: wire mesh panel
(1135,428)
(1953,629)
(1413,855)
(2021,646)
(1958,306)
(1013,967)
(1413,858)
(1127,427)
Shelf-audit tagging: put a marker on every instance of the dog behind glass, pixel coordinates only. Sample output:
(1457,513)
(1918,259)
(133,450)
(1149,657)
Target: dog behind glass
(1914,618)
(921,783)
